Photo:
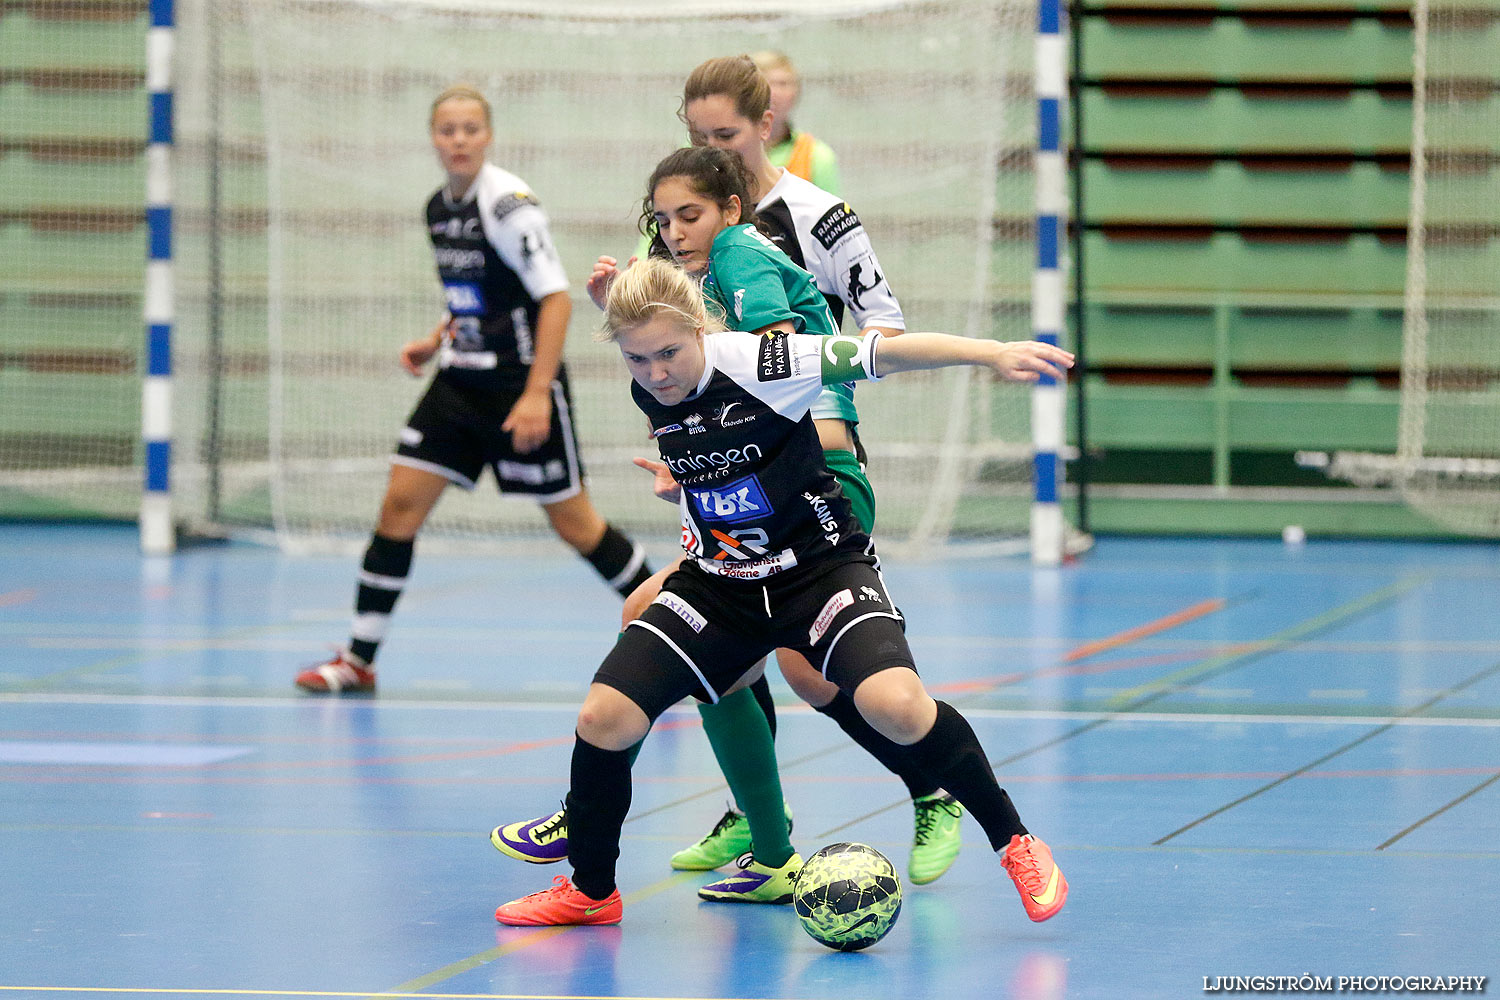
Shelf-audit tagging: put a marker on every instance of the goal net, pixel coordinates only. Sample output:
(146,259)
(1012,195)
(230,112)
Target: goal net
(303,163)
(1448,460)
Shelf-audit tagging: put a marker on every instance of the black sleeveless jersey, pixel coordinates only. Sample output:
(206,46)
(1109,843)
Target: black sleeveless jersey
(757,498)
(496,261)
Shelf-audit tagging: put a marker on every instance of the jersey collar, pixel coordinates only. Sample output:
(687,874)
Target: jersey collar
(775,191)
(470,194)
(710,351)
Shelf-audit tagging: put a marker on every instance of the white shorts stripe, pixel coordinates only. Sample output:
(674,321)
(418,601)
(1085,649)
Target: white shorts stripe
(434,468)
(712,694)
(570,443)
(840,635)
(566,493)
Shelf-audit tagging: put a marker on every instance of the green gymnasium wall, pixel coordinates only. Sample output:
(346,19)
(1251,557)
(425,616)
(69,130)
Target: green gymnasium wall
(1246,176)
(1245,170)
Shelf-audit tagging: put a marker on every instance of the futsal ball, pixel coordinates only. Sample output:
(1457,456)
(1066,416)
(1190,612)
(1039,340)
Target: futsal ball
(847,896)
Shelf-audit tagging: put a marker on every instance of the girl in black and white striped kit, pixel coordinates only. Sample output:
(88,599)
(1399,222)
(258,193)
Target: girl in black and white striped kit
(500,397)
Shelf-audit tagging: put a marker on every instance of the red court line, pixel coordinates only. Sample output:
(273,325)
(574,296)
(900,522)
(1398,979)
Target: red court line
(261,739)
(17,597)
(1089,670)
(1115,641)
(1141,631)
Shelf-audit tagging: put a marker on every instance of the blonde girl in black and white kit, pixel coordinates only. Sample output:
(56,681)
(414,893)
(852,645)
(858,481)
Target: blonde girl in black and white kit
(726,104)
(817,590)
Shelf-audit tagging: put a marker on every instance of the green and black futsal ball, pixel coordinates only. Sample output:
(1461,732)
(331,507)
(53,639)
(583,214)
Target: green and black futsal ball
(847,896)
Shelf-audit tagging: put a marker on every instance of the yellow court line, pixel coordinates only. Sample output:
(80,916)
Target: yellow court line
(537,937)
(1282,639)
(138,990)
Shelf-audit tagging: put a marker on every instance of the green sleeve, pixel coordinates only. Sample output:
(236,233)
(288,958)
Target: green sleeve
(750,290)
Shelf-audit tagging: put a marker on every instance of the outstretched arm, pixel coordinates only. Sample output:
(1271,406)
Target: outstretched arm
(1015,361)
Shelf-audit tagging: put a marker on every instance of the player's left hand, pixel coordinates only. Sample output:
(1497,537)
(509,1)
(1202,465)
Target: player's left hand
(529,422)
(1028,360)
(663,485)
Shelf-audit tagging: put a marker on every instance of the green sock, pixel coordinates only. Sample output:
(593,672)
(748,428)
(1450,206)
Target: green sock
(634,751)
(741,739)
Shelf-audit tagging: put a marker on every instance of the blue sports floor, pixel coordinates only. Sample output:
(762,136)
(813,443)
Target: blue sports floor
(1249,759)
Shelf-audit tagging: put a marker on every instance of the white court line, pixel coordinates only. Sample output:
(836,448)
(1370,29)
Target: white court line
(571,706)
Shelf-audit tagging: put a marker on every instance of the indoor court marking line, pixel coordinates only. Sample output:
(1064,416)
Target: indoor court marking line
(1484,674)
(1043,714)
(1212,668)
(536,937)
(166,825)
(1083,652)
(1281,640)
(1130,635)
(225,772)
(1442,809)
(84,636)
(137,657)
(1310,852)
(142,990)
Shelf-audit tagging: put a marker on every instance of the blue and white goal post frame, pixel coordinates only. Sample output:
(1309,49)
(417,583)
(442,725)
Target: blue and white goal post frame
(158,536)
(1048,302)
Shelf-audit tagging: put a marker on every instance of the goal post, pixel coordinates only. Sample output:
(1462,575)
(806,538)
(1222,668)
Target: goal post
(1448,455)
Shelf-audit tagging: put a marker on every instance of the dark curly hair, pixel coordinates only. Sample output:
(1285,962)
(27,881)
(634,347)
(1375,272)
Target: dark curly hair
(715,174)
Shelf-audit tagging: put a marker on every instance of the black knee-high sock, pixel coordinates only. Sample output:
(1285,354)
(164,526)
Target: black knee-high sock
(620,561)
(897,759)
(951,753)
(762,692)
(382,576)
(597,803)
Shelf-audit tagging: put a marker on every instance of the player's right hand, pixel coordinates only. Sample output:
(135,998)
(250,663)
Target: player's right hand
(663,485)
(416,353)
(604,273)
(1027,360)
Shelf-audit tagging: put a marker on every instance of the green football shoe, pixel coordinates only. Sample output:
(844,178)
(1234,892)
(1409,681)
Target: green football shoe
(755,883)
(729,839)
(938,838)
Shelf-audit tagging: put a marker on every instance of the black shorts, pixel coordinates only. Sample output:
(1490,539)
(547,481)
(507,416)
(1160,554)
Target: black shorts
(455,432)
(702,633)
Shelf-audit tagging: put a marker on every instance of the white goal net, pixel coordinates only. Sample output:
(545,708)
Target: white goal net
(1448,462)
(303,164)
